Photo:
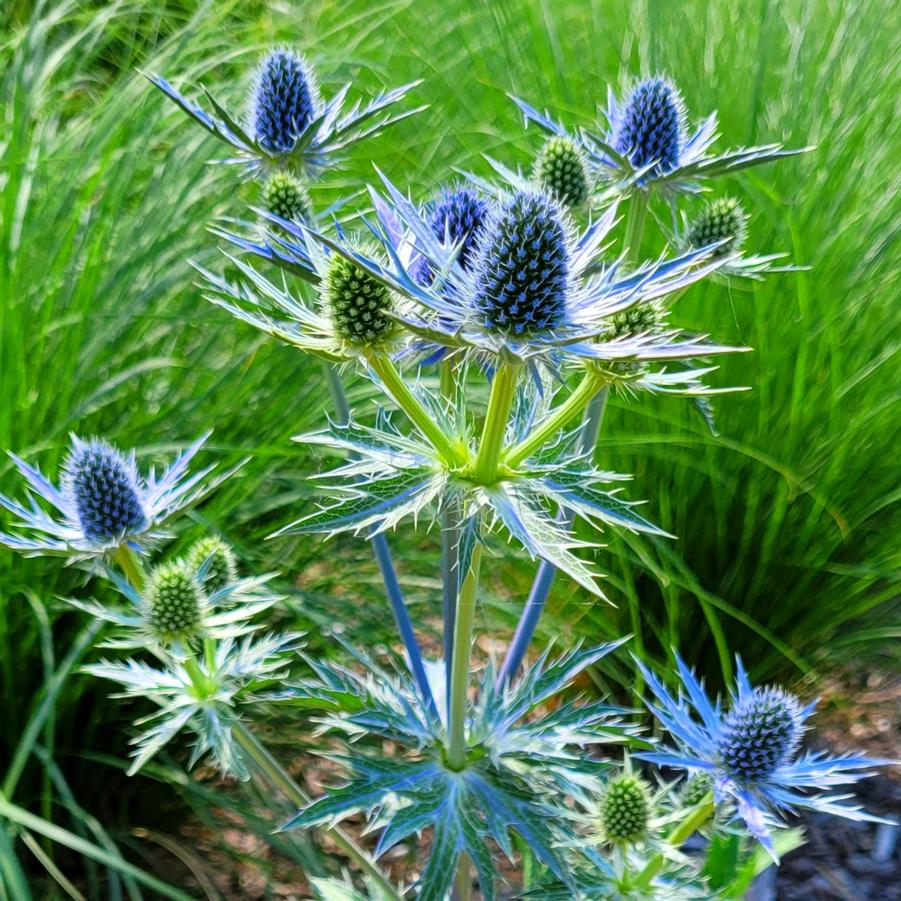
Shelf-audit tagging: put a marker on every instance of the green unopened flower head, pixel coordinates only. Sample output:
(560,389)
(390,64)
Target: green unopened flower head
(644,317)
(625,809)
(286,196)
(174,601)
(697,787)
(722,219)
(561,168)
(221,570)
(358,304)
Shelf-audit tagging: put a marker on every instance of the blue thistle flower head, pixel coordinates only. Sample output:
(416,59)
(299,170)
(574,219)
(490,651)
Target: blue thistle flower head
(284,100)
(103,484)
(760,733)
(522,265)
(102,501)
(457,215)
(751,753)
(650,126)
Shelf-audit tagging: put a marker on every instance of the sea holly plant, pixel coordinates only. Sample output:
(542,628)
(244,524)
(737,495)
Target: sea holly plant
(494,318)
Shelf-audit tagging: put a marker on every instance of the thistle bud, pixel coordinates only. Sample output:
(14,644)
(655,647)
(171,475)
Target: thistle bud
(625,809)
(722,219)
(358,303)
(221,569)
(649,127)
(174,600)
(287,197)
(522,265)
(103,484)
(561,169)
(696,789)
(284,100)
(644,317)
(760,734)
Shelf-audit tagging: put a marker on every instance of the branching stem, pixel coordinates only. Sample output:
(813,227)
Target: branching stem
(400,391)
(591,383)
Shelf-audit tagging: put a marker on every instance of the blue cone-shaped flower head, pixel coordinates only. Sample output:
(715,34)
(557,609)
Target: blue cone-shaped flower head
(456,217)
(102,501)
(751,753)
(650,126)
(284,100)
(522,266)
(459,215)
(760,734)
(103,485)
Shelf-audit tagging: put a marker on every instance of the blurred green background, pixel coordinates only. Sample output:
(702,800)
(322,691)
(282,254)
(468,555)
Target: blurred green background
(788,525)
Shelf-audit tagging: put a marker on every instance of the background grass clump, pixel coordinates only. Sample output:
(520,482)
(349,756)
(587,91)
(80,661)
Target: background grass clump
(787,518)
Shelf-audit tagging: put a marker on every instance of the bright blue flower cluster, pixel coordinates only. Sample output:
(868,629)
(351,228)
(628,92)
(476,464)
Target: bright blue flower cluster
(760,734)
(104,488)
(283,101)
(522,266)
(649,127)
(457,215)
(751,752)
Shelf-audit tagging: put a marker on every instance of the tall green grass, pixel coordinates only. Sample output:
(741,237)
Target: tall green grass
(787,520)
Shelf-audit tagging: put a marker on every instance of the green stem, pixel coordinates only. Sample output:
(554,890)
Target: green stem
(198,679)
(591,383)
(463,627)
(283,780)
(131,565)
(638,207)
(503,386)
(463,880)
(209,654)
(409,403)
(697,818)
